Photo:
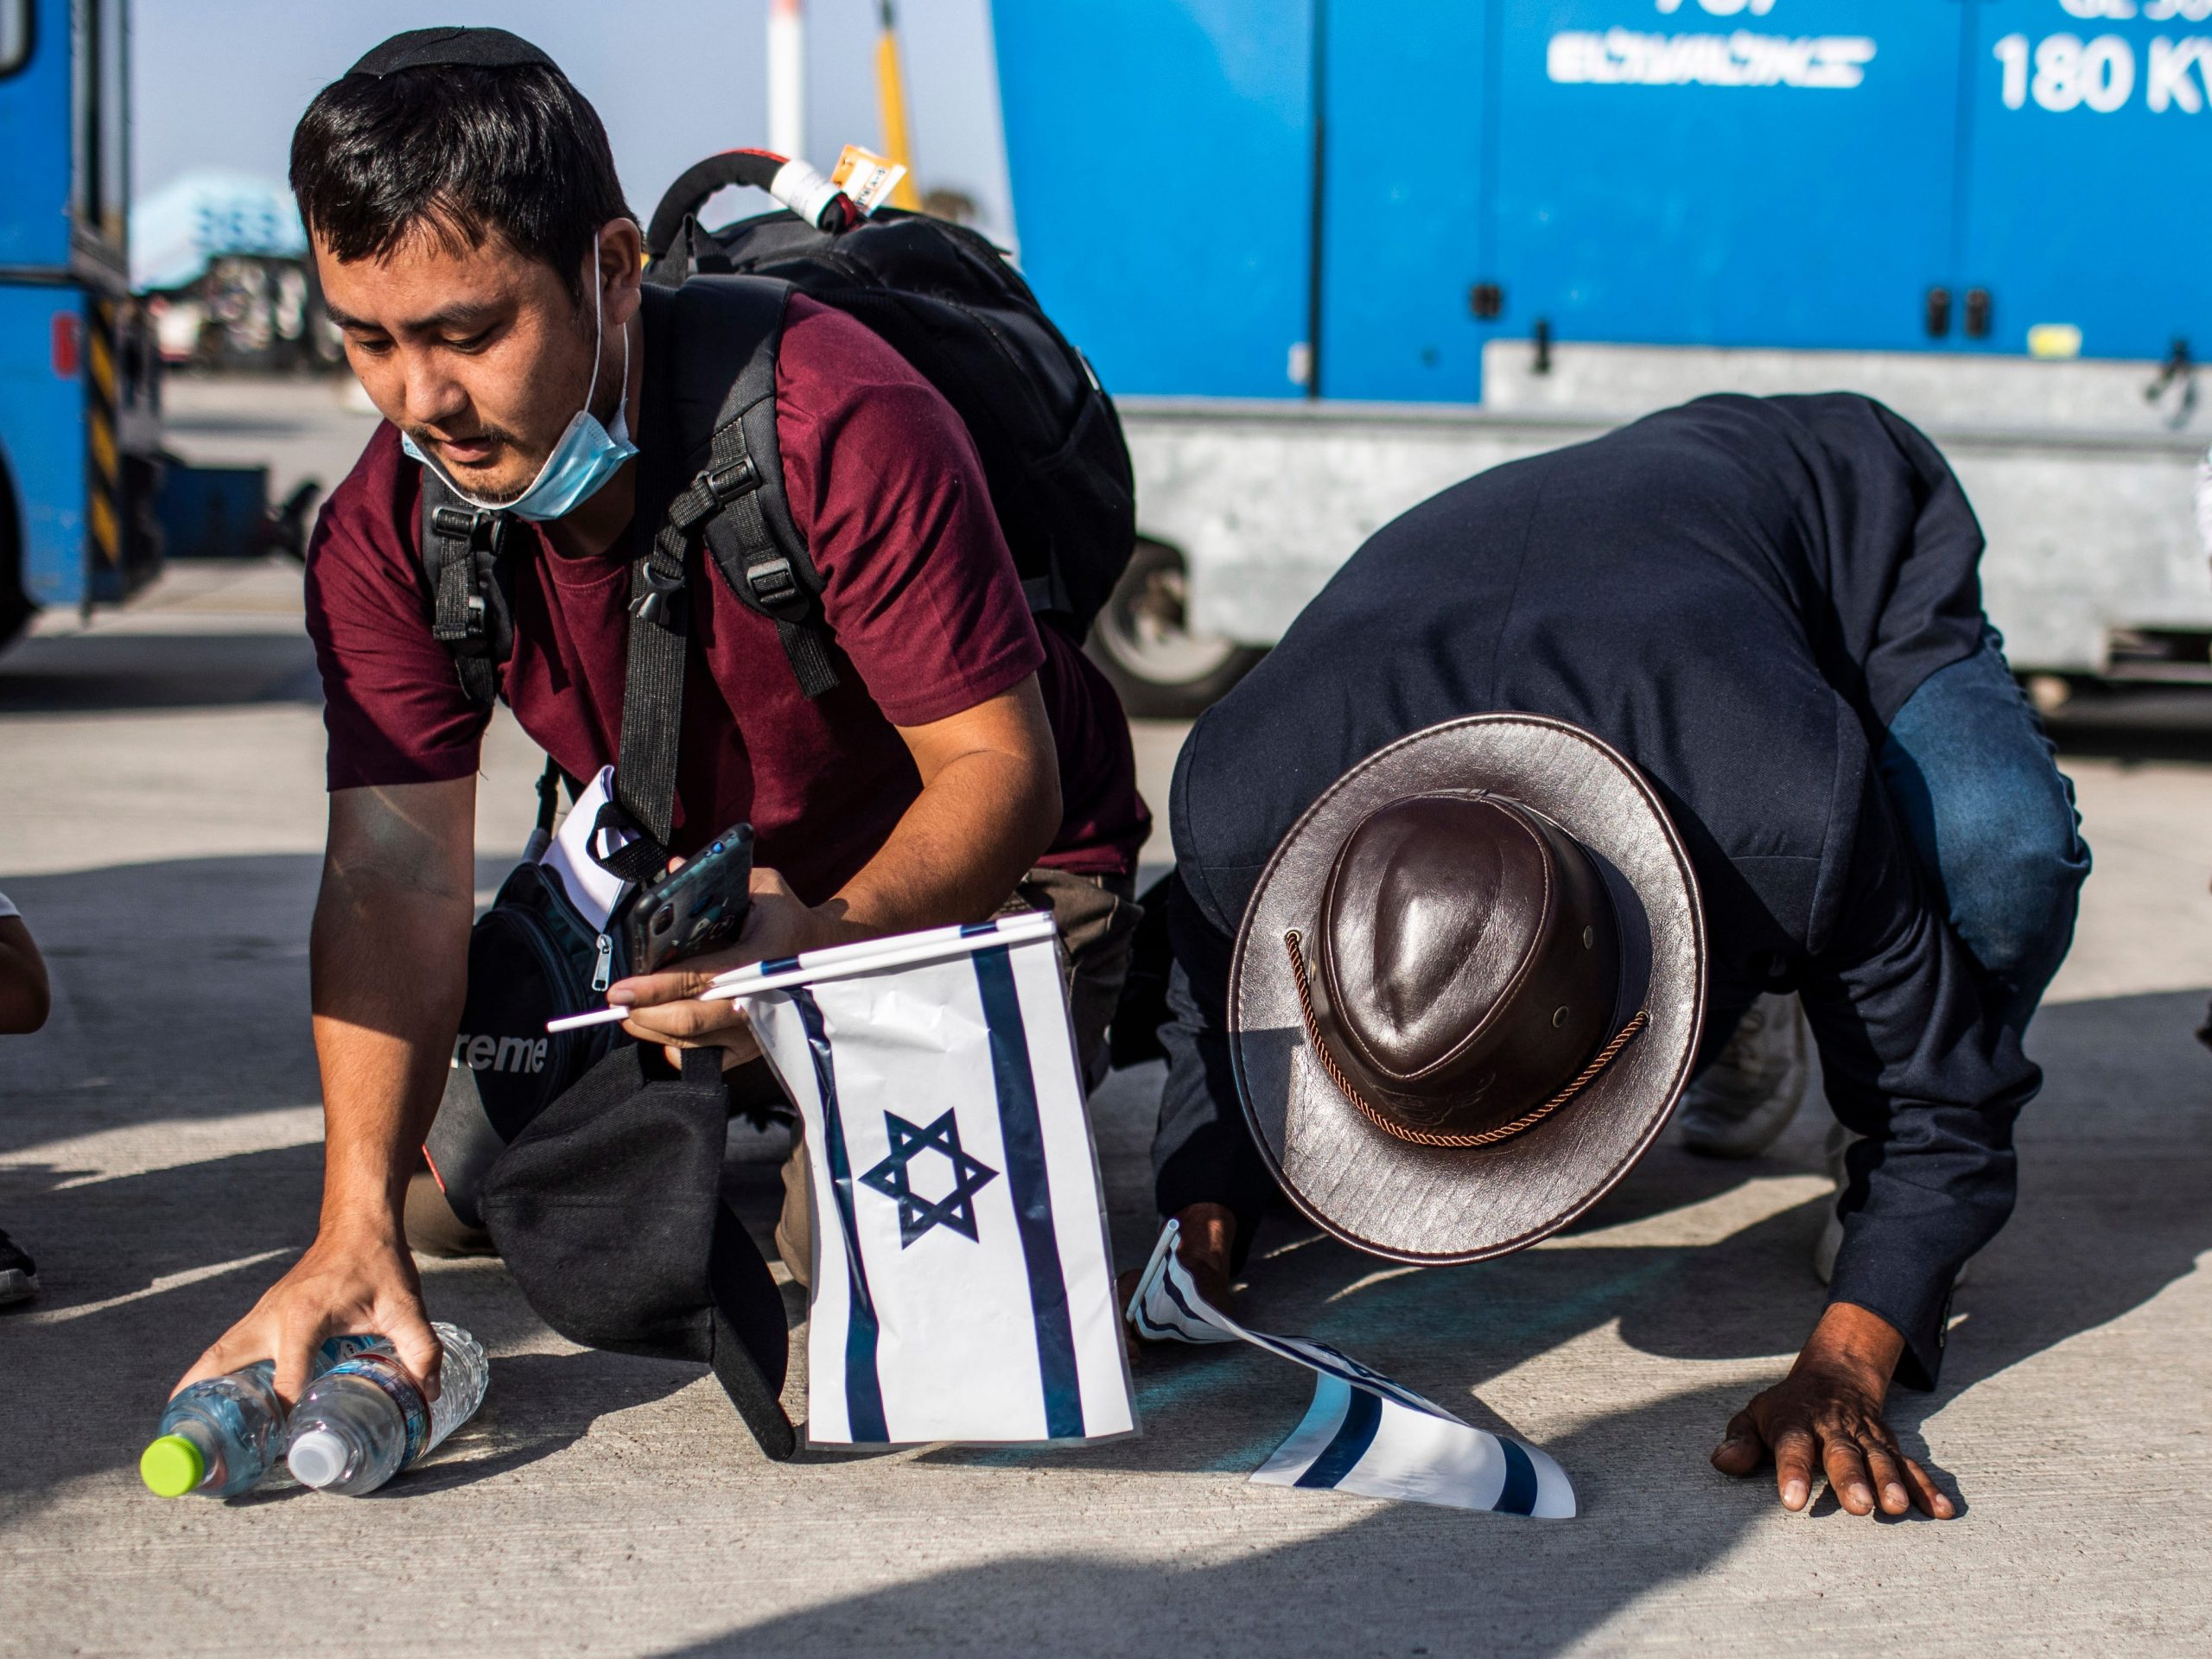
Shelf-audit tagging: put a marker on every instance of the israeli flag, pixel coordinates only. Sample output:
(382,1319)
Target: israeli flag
(1363,1433)
(963,1288)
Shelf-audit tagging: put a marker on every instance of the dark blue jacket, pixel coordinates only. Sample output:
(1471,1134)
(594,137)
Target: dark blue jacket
(1738,594)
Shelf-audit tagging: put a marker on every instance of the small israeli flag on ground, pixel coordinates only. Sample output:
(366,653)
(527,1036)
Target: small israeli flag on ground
(962,1285)
(1364,1434)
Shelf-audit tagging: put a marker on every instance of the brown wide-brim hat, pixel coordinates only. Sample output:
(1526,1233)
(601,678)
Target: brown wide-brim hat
(1417,1202)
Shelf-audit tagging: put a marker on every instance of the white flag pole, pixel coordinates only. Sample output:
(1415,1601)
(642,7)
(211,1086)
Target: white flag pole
(863,955)
(844,962)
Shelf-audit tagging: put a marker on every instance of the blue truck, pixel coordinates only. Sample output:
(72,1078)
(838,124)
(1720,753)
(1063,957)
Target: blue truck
(79,419)
(1331,255)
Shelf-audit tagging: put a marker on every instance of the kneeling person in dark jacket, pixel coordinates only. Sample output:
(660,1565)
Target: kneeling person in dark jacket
(1769,611)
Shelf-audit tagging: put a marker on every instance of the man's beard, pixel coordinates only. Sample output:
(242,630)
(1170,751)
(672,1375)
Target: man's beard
(428,445)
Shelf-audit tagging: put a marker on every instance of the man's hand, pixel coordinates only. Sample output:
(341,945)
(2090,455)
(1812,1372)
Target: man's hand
(362,1285)
(388,958)
(670,1012)
(1829,1408)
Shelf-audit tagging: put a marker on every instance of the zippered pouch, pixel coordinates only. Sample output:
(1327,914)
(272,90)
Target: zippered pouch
(540,951)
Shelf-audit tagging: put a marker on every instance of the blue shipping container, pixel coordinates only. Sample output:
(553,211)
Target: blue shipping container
(1936,175)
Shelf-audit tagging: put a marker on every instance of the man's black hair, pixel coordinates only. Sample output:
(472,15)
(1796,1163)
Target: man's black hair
(459,152)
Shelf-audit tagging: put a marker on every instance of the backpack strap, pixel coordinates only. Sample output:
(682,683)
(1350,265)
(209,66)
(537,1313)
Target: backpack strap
(738,497)
(692,253)
(462,551)
(652,690)
(736,502)
(470,616)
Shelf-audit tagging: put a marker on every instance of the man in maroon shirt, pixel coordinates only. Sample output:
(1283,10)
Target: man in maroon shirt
(473,245)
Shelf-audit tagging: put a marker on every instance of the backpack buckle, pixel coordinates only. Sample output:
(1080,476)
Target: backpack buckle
(726,482)
(772,580)
(658,603)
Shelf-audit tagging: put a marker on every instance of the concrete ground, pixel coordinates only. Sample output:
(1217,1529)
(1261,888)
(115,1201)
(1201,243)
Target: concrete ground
(159,1154)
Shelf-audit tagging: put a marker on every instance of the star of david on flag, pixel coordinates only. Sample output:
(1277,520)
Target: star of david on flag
(893,1179)
(963,1288)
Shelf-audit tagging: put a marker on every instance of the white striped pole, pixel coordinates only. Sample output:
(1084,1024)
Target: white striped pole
(787,77)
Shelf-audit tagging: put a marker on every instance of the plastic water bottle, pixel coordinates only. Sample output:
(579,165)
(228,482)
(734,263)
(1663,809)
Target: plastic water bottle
(363,1419)
(220,1437)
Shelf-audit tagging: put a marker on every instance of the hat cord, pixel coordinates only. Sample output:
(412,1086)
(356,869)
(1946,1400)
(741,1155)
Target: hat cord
(1606,1056)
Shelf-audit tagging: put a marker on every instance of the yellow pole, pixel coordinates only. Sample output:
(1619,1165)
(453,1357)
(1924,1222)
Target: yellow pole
(892,93)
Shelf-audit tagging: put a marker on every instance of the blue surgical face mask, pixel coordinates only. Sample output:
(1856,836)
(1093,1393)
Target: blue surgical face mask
(585,458)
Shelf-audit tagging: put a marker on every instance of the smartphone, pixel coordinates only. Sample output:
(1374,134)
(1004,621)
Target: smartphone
(697,908)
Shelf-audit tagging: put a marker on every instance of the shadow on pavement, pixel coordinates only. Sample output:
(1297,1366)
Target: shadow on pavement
(125,672)
(129,1303)
(147,1250)
(2111,1214)
(536,1405)
(201,1016)
(1398,1578)
(2111,1204)
(180,992)
(2135,723)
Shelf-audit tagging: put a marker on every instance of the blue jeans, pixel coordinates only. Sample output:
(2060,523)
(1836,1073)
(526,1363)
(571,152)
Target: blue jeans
(1992,821)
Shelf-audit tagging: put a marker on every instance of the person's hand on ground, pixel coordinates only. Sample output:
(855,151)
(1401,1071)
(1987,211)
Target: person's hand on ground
(361,1285)
(670,1012)
(1826,1414)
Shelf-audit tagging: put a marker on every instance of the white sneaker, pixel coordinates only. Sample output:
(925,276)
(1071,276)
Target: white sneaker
(18,1273)
(1831,1238)
(1826,1246)
(1739,1104)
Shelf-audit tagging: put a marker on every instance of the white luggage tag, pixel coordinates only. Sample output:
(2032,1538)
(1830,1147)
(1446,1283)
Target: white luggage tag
(867,177)
(591,886)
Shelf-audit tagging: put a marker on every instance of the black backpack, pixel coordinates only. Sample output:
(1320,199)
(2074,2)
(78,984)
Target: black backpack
(949,302)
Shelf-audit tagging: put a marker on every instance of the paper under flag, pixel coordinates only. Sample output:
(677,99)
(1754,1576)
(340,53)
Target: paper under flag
(963,1287)
(1363,1433)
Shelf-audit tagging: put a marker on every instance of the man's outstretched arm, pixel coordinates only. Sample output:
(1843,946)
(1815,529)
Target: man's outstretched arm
(988,808)
(1916,1061)
(389,961)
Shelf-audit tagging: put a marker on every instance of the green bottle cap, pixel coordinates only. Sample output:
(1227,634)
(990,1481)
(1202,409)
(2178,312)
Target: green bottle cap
(172,1467)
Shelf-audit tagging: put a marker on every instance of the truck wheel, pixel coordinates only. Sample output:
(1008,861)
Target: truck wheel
(1160,669)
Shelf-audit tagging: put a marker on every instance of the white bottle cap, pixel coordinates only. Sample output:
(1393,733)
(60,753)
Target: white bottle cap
(317,1458)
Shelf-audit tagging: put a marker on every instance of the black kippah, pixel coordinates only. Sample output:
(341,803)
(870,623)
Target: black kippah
(422,48)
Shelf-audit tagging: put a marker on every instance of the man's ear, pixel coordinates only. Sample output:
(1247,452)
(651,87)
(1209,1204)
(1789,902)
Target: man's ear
(621,268)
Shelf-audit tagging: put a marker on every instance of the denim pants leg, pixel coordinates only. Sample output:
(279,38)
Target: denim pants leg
(1992,821)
